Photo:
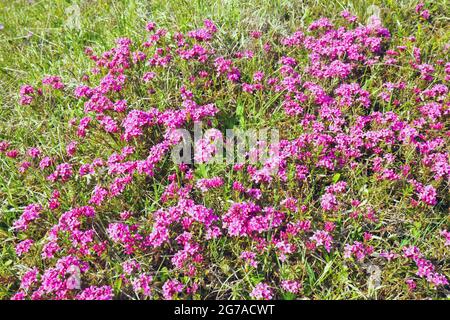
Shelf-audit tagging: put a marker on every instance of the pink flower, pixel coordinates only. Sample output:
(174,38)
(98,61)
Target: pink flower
(205,149)
(207,184)
(412,252)
(24,166)
(249,257)
(358,250)
(98,195)
(348,16)
(388,255)
(126,215)
(130,266)
(150,26)
(142,284)
(34,152)
(291,286)
(329,202)
(49,250)
(256,34)
(425,14)
(86,169)
(96,293)
(12,153)
(27,95)
(446,235)
(322,238)
(29,278)
(171,288)
(53,81)
(23,246)
(411,284)
(148,76)
(262,292)
(30,213)
(19,296)
(428,195)
(71,148)
(4,145)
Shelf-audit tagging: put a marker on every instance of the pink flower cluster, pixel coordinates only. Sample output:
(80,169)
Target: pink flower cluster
(114,195)
(425,268)
(262,292)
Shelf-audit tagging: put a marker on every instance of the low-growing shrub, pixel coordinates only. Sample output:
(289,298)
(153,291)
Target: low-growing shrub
(361,161)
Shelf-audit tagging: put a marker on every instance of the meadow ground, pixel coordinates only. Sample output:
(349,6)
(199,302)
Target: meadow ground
(395,200)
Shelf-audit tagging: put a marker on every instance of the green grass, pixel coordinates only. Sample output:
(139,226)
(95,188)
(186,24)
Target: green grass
(38,39)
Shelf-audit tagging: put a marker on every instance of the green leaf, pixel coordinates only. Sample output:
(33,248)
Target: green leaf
(336,177)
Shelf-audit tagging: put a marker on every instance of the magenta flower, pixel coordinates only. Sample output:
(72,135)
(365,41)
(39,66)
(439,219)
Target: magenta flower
(23,246)
(262,292)
(171,288)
